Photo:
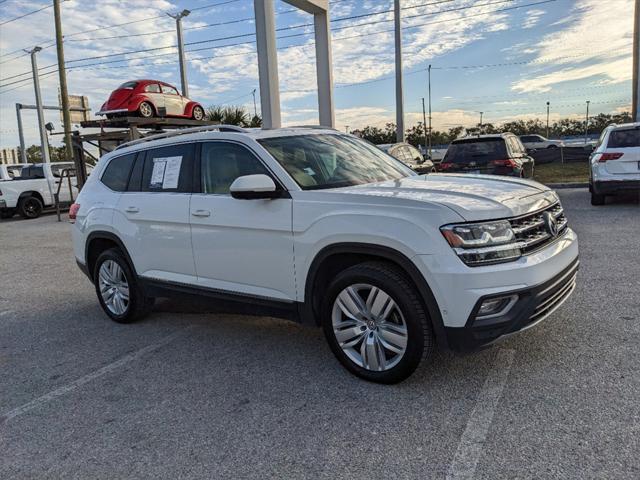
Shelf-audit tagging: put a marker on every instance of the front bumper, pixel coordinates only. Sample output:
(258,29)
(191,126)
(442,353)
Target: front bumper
(533,305)
(459,290)
(616,186)
(111,112)
(3,204)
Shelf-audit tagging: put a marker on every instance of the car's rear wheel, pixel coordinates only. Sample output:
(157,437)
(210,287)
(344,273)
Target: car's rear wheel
(30,207)
(145,110)
(375,322)
(597,199)
(118,291)
(198,113)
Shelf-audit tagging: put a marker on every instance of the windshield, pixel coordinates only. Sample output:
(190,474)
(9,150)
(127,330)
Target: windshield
(477,150)
(329,161)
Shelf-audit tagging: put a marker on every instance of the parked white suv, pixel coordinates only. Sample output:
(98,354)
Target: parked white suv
(615,162)
(324,228)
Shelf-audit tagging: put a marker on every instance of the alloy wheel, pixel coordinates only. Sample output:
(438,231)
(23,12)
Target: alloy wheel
(114,287)
(369,327)
(146,110)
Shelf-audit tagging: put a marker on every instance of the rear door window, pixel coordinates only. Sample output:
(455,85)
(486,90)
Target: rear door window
(116,175)
(169,169)
(624,138)
(480,150)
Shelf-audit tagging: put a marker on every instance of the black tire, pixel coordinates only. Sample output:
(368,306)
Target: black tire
(393,281)
(7,213)
(197,113)
(138,305)
(552,146)
(146,110)
(597,199)
(30,207)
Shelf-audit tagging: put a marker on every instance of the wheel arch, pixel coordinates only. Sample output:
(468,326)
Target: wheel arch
(99,241)
(188,108)
(32,193)
(336,257)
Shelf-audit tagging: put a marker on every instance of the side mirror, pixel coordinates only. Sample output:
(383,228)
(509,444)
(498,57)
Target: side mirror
(252,187)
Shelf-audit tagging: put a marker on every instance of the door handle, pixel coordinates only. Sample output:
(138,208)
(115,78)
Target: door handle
(201,213)
(132,209)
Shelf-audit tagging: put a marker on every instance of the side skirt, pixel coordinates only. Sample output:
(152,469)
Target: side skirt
(223,301)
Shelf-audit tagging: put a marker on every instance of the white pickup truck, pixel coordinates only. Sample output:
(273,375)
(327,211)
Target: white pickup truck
(34,189)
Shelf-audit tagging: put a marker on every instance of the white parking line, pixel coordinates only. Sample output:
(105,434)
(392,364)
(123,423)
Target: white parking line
(469,449)
(89,377)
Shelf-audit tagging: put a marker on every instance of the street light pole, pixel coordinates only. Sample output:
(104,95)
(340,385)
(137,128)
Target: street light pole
(183,61)
(399,91)
(255,108)
(44,146)
(62,75)
(586,123)
(424,125)
(430,130)
(548,105)
(481,114)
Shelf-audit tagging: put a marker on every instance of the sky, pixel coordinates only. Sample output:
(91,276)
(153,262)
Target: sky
(503,58)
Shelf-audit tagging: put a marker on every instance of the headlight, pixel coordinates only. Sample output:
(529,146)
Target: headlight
(483,243)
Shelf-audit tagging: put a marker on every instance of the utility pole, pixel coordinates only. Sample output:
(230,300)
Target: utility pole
(62,74)
(548,105)
(183,62)
(424,125)
(44,146)
(635,113)
(586,123)
(346,128)
(481,113)
(255,108)
(399,93)
(23,151)
(430,129)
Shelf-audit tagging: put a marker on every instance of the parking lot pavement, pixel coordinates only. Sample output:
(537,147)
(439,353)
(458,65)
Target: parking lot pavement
(187,393)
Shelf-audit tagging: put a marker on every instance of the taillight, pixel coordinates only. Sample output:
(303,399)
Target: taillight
(446,166)
(503,163)
(73,212)
(610,156)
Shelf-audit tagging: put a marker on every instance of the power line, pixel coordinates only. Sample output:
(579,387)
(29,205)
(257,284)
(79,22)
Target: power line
(25,15)
(101,65)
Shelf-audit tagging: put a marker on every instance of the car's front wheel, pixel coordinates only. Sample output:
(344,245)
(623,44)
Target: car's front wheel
(375,322)
(198,113)
(145,110)
(118,291)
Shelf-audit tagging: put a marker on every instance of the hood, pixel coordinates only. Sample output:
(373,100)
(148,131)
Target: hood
(118,98)
(473,197)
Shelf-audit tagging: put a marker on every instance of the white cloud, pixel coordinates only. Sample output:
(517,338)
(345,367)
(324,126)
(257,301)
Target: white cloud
(532,18)
(594,42)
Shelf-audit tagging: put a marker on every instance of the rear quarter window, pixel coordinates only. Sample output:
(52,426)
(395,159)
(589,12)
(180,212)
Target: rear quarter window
(627,138)
(116,175)
(169,169)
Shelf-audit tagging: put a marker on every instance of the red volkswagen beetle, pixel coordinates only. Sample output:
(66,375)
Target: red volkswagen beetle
(150,98)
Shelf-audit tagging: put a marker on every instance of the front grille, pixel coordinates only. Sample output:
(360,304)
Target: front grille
(532,231)
(552,296)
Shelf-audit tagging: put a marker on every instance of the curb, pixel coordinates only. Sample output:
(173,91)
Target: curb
(567,185)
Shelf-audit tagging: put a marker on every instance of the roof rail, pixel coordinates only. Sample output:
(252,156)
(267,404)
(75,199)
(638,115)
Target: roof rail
(183,131)
(313,127)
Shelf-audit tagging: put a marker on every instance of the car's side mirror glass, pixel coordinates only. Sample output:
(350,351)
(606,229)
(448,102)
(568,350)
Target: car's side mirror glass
(252,187)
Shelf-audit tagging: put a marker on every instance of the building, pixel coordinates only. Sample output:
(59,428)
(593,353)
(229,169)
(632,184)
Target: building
(9,156)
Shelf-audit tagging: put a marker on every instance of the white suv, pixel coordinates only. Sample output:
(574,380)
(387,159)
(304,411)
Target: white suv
(322,227)
(615,162)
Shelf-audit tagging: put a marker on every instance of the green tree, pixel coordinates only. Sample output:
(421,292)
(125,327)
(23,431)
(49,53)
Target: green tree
(232,115)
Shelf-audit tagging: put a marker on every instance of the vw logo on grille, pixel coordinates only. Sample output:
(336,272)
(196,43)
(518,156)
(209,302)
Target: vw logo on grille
(550,223)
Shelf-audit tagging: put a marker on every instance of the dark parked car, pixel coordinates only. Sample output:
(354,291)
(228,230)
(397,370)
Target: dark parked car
(409,155)
(500,154)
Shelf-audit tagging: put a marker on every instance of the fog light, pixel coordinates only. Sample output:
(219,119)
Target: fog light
(494,307)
